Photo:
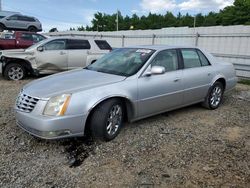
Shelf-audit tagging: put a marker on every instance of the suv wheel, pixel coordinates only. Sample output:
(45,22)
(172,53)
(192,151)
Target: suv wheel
(107,120)
(214,96)
(14,71)
(32,29)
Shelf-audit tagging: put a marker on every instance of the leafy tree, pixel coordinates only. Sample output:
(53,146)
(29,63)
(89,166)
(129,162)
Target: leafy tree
(238,13)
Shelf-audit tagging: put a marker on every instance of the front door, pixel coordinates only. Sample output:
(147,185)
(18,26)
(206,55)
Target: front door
(158,93)
(53,58)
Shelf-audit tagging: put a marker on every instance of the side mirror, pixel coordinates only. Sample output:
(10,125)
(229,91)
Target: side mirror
(156,70)
(40,48)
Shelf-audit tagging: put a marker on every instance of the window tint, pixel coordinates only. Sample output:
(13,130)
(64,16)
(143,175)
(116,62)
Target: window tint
(25,18)
(103,44)
(37,38)
(73,44)
(26,36)
(167,59)
(203,59)
(190,58)
(55,45)
(14,17)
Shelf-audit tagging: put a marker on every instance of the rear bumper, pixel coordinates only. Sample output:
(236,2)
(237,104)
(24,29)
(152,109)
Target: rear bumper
(51,127)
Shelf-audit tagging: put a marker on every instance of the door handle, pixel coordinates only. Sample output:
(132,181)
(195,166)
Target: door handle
(62,53)
(177,79)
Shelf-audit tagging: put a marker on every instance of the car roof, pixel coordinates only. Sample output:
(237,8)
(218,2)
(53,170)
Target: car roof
(73,37)
(160,47)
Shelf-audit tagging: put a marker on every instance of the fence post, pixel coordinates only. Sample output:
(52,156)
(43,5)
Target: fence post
(197,39)
(153,39)
(123,38)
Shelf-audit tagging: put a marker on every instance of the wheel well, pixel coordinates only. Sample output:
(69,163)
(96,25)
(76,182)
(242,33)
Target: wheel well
(223,81)
(22,62)
(127,105)
(93,61)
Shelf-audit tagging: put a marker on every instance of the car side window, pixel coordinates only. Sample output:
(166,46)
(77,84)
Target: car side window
(26,36)
(59,44)
(203,59)
(103,44)
(190,58)
(73,44)
(37,38)
(167,59)
(14,17)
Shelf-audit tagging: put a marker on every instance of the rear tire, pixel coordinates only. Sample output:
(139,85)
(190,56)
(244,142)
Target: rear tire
(14,71)
(214,96)
(32,29)
(107,120)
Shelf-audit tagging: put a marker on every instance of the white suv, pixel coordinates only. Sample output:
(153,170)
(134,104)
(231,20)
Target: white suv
(51,56)
(20,22)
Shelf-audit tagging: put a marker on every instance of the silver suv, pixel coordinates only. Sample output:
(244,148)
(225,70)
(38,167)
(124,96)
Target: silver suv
(51,56)
(20,22)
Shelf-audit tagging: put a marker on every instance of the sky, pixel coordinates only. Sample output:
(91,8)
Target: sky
(64,14)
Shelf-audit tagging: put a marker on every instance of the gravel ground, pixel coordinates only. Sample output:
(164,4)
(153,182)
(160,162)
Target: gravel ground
(190,147)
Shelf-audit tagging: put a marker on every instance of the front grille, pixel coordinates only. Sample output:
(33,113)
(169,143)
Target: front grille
(26,103)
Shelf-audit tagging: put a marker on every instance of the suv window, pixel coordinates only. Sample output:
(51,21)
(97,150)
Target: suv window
(203,59)
(190,58)
(26,18)
(73,44)
(32,37)
(58,44)
(14,17)
(167,59)
(103,44)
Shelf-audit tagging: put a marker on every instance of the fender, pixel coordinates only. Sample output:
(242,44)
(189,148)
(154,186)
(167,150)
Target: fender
(24,62)
(218,76)
(130,106)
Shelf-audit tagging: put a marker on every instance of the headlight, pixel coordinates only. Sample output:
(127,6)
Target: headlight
(57,106)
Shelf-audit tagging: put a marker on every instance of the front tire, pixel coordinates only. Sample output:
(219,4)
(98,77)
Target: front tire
(214,96)
(14,71)
(107,120)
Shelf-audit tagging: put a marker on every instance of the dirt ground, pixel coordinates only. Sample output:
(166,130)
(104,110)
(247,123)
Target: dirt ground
(190,147)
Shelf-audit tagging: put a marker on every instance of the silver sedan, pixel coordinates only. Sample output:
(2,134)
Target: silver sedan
(127,84)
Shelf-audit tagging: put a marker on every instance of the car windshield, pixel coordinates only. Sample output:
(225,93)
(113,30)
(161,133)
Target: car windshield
(123,61)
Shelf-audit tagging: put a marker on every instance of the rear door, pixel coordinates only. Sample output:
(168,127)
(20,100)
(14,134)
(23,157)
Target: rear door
(158,93)
(197,75)
(78,50)
(54,57)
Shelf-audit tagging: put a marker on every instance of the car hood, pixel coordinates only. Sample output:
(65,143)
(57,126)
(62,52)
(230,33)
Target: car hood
(16,52)
(69,82)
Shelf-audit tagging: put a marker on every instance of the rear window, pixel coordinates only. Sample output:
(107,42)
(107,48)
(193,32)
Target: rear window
(103,44)
(73,44)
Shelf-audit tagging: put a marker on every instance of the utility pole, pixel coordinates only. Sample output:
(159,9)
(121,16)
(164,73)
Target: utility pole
(0,5)
(117,20)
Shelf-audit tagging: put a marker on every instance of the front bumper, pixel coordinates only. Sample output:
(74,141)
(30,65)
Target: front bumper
(51,127)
